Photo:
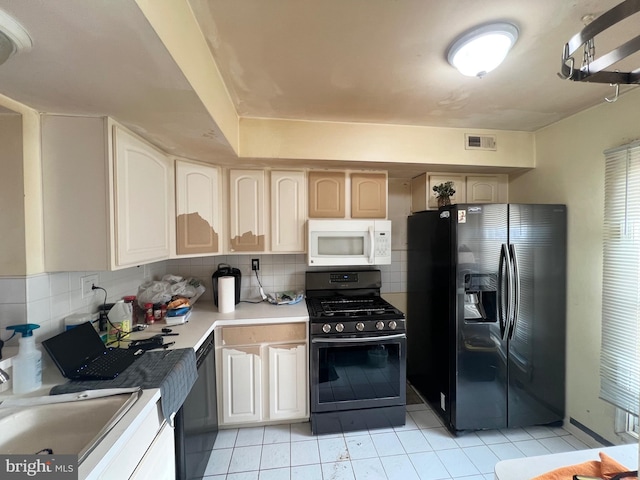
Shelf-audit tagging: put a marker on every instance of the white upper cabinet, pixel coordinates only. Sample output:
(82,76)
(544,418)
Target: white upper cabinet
(482,189)
(198,212)
(143,188)
(458,186)
(470,188)
(288,211)
(108,196)
(246,211)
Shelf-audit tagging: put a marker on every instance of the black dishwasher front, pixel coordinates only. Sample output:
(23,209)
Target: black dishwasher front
(196,423)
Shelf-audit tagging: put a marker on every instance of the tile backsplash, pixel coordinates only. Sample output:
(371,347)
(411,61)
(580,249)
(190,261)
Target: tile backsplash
(46,299)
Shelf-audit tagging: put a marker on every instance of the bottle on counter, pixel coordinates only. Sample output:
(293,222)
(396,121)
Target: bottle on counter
(157,312)
(148,313)
(135,309)
(27,365)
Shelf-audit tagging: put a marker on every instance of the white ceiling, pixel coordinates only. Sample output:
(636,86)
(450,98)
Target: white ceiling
(372,61)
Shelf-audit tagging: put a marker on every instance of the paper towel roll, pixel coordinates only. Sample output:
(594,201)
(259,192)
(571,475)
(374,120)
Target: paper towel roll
(226,294)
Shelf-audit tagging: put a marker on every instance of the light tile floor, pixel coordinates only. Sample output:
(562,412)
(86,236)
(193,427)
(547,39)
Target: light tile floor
(421,450)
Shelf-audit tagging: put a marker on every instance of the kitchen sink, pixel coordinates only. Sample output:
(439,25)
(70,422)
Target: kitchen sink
(74,426)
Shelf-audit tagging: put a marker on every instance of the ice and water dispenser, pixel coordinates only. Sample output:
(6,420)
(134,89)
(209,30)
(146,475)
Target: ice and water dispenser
(480,297)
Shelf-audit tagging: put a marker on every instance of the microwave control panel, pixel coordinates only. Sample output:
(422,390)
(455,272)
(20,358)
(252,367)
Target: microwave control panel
(382,245)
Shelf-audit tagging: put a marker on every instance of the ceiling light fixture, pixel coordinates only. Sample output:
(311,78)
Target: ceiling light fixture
(481,49)
(13,37)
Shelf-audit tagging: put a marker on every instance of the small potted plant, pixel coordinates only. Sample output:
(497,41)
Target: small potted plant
(443,193)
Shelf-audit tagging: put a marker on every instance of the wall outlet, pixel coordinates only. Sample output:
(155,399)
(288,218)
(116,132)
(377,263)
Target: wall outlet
(86,283)
(443,404)
(255,264)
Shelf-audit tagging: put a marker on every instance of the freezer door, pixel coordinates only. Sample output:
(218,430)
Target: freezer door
(537,243)
(480,234)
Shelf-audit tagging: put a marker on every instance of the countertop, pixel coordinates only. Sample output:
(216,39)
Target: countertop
(202,321)
(205,317)
(526,468)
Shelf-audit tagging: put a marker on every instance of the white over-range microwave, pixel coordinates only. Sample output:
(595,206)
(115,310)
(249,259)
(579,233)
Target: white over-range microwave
(349,242)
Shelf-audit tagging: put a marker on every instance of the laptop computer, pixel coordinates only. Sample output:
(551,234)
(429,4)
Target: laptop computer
(80,354)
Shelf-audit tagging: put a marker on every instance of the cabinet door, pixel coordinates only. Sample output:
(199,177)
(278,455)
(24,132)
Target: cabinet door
(158,462)
(288,211)
(458,186)
(144,202)
(241,385)
(482,189)
(287,382)
(326,194)
(197,209)
(368,195)
(246,211)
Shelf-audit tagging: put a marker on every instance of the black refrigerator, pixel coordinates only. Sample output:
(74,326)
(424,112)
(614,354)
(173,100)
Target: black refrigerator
(486,307)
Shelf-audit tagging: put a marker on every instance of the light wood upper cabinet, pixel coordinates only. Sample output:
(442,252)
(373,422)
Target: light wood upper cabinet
(246,211)
(288,211)
(198,202)
(108,196)
(327,194)
(143,186)
(368,195)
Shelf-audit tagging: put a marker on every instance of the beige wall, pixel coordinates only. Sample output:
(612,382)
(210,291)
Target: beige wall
(361,142)
(570,170)
(21,203)
(12,253)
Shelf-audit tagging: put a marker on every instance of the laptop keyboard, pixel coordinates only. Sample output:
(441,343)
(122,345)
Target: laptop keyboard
(109,365)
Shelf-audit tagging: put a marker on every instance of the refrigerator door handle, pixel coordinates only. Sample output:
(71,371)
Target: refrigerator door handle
(504,298)
(516,292)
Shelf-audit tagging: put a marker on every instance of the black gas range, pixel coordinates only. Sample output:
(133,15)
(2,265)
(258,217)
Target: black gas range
(349,303)
(357,355)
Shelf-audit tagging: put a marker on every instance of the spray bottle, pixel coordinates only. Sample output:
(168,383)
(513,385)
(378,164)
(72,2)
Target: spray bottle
(27,365)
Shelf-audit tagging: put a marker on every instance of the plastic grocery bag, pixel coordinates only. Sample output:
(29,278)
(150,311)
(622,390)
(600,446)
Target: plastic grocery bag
(170,288)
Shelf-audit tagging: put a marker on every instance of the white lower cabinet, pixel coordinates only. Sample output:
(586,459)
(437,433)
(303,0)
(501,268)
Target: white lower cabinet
(262,376)
(287,381)
(148,453)
(158,462)
(241,385)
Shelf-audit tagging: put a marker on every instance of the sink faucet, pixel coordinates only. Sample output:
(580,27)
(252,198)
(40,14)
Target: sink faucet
(4,376)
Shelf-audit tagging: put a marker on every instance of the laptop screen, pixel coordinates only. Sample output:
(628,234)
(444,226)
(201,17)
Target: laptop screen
(72,348)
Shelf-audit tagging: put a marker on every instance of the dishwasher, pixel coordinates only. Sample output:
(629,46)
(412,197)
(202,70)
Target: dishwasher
(196,422)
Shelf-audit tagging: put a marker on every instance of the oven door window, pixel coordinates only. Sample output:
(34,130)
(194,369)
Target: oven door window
(359,374)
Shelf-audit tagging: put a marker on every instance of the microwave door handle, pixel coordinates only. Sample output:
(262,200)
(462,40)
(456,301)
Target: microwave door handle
(371,248)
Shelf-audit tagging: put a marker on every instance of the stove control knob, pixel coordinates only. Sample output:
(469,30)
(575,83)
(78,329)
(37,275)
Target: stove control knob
(339,328)
(393,324)
(360,326)
(380,325)
(326,328)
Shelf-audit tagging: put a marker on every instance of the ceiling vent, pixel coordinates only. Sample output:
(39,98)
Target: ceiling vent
(480,142)
(13,37)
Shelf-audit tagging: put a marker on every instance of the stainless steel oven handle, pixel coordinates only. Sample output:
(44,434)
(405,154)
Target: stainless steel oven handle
(359,339)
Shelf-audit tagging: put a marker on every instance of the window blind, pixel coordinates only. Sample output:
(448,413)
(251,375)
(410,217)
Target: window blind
(619,369)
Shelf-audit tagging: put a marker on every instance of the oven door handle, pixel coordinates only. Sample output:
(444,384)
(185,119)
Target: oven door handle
(358,339)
